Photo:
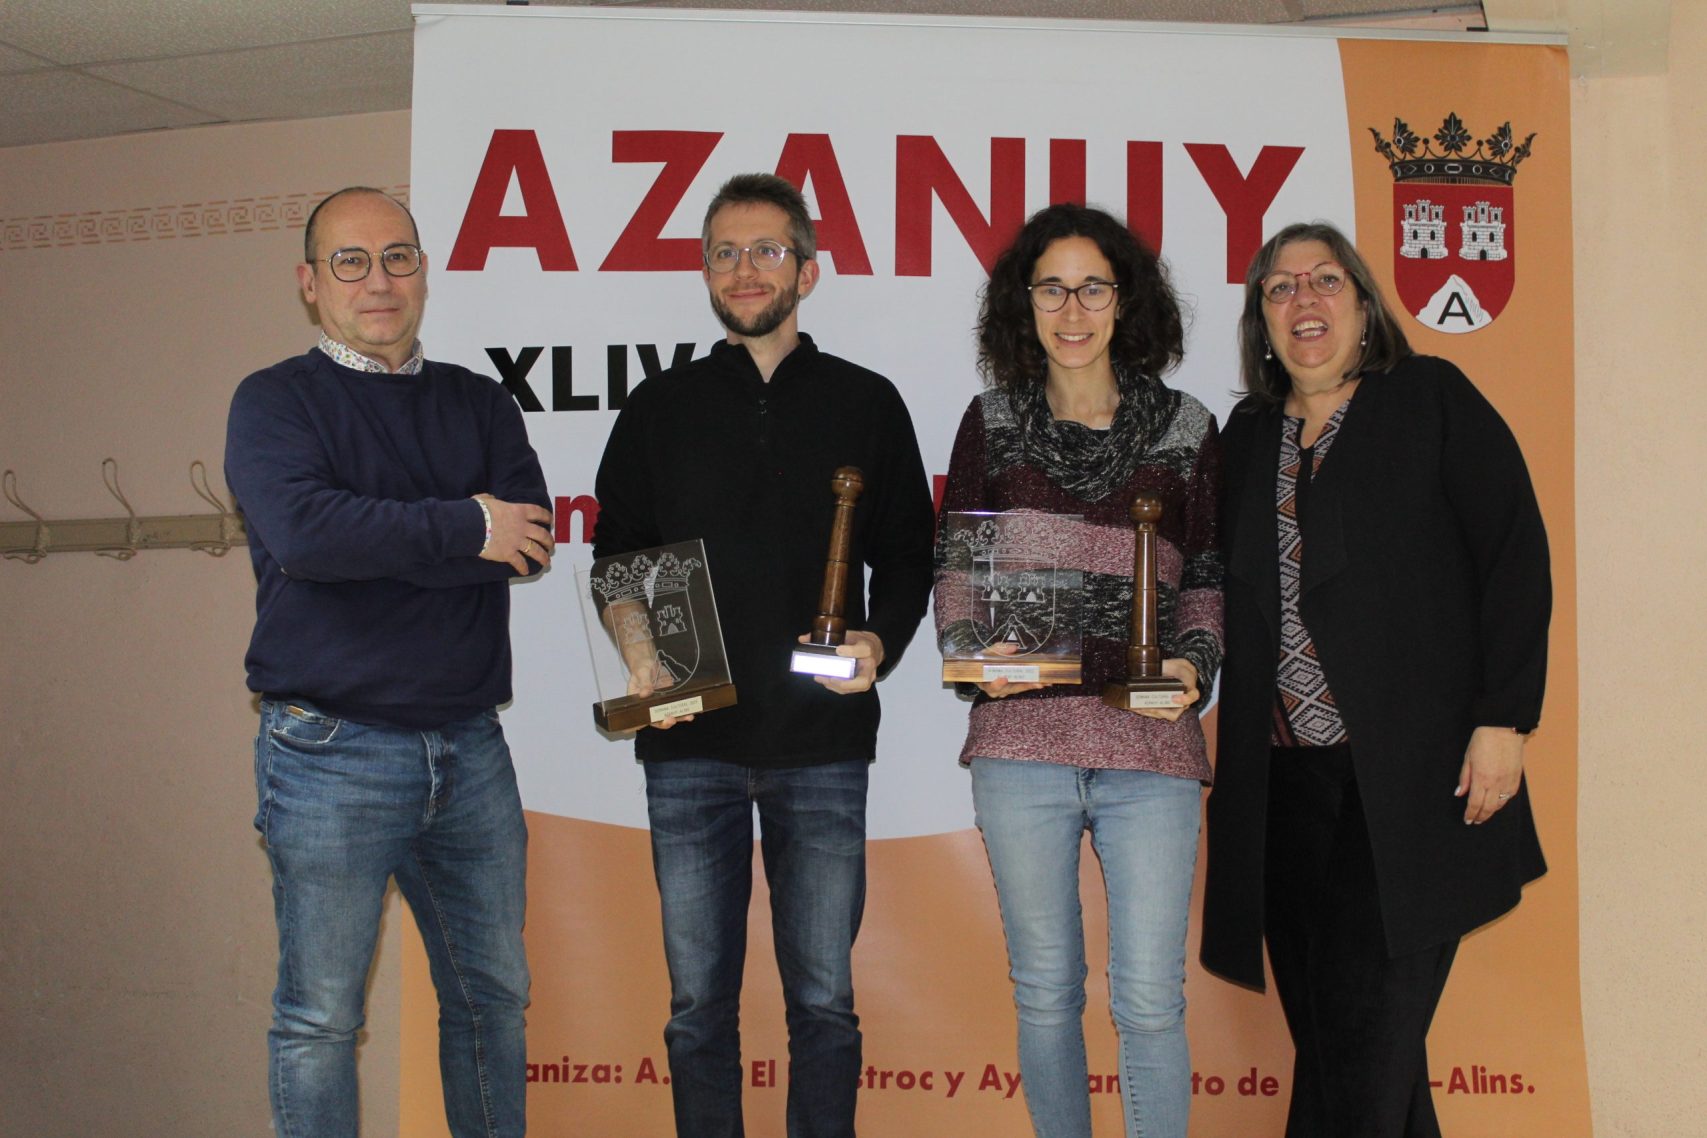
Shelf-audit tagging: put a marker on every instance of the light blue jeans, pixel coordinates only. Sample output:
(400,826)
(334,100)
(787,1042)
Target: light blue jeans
(344,807)
(1143,827)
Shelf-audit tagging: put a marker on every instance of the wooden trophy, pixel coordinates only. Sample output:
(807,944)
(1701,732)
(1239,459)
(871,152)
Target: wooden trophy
(1145,686)
(817,657)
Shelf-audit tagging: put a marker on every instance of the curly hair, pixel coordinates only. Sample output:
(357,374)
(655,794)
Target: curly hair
(1149,332)
(1260,371)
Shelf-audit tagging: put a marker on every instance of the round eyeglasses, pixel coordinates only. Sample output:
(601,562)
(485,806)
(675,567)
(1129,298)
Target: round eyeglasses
(765,255)
(1324,280)
(352,265)
(1094,296)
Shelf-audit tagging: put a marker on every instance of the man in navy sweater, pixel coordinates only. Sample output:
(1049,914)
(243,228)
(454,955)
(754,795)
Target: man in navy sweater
(388,500)
(739,448)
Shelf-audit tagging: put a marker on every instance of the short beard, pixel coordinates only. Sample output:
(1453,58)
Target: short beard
(765,322)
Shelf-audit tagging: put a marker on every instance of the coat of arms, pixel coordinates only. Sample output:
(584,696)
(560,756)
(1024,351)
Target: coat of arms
(1454,227)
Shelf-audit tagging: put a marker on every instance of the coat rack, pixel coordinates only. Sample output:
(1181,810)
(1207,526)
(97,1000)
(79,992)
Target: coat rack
(122,538)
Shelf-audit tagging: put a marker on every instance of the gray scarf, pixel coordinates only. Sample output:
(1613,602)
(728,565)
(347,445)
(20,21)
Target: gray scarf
(1087,463)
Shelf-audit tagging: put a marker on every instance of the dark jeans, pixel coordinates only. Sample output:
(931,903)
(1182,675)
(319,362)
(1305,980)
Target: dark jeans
(1359,1018)
(812,825)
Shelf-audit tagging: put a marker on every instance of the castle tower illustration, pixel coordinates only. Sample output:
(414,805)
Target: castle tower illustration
(1425,230)
(1482,232)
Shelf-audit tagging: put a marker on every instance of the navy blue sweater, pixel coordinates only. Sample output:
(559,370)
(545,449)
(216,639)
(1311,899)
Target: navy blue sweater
(710,450)
(373,602)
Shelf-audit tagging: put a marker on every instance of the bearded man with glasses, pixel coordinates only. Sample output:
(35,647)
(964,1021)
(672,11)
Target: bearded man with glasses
(739,448)
(388,499)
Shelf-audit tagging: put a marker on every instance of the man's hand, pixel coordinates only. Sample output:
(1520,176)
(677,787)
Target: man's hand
(520,532)
(865,647)
(650,677)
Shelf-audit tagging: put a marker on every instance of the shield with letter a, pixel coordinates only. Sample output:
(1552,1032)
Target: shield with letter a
(1454,223)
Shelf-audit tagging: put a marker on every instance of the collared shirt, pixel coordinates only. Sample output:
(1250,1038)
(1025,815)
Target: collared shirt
(350,358)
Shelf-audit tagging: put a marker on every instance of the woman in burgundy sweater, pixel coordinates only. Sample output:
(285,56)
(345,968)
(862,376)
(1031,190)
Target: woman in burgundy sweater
(1078,323)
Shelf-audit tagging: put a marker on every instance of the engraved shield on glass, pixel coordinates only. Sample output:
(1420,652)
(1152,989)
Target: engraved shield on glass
(1009,602)
(652,629)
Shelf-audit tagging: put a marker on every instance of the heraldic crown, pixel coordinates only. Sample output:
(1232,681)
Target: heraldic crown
(643,576)
(1414,159)
(1021,535)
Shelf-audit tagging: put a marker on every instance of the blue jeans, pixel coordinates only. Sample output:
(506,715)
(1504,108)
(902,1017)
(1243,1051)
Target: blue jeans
(1143,828)
(812,822)
(344,807)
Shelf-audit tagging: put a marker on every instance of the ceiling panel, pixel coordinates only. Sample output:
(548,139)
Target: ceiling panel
(85,31)
(197,61)
(332,77)
(12,60)
(1216,11)
(52,106)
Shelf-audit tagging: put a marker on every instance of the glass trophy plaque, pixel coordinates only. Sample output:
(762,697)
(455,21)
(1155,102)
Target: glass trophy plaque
(1008,606)
(651,621)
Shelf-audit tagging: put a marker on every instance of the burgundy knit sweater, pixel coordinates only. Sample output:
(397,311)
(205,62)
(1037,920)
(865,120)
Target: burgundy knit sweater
(1064,723)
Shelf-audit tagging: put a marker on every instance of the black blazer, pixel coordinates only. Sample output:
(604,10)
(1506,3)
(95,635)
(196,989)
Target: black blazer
(1426,588)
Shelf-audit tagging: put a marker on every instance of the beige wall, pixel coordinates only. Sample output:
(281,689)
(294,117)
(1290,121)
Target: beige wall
(136,935)
(1641,222)
(135,929)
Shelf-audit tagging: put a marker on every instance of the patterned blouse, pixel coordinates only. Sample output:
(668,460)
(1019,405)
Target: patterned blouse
(1304,712)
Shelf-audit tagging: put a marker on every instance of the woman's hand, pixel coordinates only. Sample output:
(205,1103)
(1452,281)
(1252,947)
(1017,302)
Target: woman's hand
(1186,673)
(1491,774)
(1001,689)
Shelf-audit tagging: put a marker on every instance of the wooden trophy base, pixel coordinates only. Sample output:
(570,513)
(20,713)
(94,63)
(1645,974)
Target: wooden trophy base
(1143,692)
(1014,669)
(821,660)
(630,712)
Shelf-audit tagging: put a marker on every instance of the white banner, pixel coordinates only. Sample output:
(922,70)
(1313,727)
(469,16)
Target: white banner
(563,159)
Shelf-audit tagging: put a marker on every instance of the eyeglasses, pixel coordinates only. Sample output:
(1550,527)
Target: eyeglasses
(765,255)
(1094,296)
(351,265)
(1324,280)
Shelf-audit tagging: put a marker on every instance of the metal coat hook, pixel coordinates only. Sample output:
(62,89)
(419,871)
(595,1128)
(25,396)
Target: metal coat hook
(126,536)
(133,529)
(230,525)
(9,483)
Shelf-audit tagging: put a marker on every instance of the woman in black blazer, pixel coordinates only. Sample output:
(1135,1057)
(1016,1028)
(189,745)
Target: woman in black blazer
(1387,601)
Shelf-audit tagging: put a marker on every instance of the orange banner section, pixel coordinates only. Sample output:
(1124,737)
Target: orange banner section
(1507,1045)
(933,997)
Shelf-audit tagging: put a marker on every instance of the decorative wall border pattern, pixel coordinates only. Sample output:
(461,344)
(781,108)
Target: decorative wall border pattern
(165,222)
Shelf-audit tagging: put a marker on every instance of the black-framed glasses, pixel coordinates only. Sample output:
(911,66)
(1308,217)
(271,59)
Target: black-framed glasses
(1326,279)
(352,265)
(1094,296)
(765,255)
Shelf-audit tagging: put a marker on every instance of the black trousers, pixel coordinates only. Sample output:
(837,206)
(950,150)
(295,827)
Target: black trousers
(1359,1018)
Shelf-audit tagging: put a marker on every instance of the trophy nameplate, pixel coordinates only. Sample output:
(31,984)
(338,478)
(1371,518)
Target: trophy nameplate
(1009,608)
(818,656)
(651,621)
(1145,686)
